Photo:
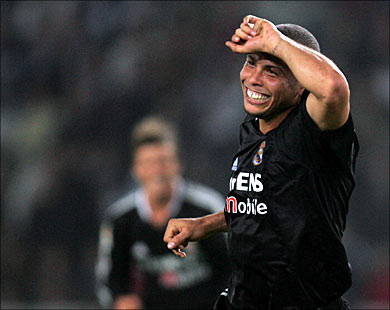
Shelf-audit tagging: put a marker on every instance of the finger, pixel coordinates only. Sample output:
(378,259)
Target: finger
(184,254)
(179,253)
(168,237)
(236,48)
(251,19)
(246,19)
(180,239)
(231,45)
(248,30)
(170,232)
(235,38)
(172,246)
(242,35)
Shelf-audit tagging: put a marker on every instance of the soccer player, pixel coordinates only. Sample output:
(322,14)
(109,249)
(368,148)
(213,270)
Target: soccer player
(134,270)
(291,180)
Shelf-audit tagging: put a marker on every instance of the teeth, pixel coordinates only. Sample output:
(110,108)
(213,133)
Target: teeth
(256,96)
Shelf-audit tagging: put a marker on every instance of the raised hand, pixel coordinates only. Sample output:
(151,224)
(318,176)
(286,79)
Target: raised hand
(255,35)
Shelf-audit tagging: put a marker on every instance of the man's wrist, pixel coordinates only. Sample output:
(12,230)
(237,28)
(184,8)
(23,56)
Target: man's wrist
(213,223)
(274,46)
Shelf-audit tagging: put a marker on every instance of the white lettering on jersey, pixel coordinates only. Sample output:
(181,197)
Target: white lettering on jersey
(246,181)
(250,207)
(242,181)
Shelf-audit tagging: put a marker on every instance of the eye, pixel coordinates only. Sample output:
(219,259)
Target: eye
(251,62)
(272,72)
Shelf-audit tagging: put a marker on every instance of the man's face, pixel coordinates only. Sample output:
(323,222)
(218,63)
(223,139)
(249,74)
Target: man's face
(156,167)
(268,86)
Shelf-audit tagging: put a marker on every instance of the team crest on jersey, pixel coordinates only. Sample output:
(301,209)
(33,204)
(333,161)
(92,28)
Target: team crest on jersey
(258,158)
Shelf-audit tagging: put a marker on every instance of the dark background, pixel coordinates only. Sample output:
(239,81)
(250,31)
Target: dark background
(76,76)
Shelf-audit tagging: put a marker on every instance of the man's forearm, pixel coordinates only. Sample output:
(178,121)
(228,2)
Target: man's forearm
(314,71)
(213,223)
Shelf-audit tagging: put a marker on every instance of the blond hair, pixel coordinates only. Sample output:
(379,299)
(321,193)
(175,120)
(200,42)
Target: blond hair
(152,129)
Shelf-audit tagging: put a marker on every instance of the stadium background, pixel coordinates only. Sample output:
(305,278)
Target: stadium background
(75,76)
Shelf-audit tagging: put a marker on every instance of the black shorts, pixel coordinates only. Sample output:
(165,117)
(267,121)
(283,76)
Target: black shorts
(222,303)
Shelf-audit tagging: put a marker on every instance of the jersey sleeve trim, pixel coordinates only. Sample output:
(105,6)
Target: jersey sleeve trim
(205,197)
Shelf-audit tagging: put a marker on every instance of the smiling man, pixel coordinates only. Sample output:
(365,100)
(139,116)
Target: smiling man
(292,177)
(269,87)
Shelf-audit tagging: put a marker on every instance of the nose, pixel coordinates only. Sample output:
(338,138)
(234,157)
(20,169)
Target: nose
(256,76)
(157,167)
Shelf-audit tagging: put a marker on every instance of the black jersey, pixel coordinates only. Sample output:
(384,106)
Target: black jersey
(286,213)
(134,259)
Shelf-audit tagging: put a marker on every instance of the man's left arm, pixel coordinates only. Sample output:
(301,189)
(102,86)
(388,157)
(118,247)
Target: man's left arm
(328,102)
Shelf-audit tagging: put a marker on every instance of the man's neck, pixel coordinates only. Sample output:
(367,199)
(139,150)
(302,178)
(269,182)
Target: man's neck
(267,126)
(160,211)
(157,206)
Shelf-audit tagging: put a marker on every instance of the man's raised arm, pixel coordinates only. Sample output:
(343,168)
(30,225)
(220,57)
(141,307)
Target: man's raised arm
(181,231)
(328,102)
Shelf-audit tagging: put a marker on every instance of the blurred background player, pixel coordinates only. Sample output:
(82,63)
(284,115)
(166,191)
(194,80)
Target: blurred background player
(134,270)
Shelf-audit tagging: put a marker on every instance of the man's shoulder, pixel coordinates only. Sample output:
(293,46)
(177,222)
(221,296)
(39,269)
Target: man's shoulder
(122,206)
(204,196)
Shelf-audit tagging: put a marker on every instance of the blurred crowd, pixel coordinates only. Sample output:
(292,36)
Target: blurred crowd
(76,76)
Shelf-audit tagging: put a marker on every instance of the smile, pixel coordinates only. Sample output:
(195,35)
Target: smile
(256,97)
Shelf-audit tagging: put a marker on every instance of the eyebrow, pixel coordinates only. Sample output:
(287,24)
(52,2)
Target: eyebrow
(275,65)
(253,56)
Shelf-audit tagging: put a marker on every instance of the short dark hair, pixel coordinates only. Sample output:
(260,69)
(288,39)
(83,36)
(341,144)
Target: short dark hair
(300,35)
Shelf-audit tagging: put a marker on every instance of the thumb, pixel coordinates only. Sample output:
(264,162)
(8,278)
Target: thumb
(235,47)
(180,240)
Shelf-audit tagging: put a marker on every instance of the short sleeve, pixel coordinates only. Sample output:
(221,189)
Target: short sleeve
(335,148)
